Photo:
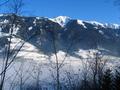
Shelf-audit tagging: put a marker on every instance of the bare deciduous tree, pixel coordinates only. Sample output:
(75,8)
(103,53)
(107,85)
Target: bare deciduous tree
(2,3)
(16,6)
(85,74)
(11,53)
(97,65)
(58,64)
(35,74)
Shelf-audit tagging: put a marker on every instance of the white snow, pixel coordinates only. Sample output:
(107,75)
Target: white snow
(108,25)
(0,29)
(96,23)
(86,53)
(4,22)
(34,22)
(37,18)
(116,26)
(61,20)
(101,32)
(81,23)
(15,29)
(1,15)
(30,28)
(117,35)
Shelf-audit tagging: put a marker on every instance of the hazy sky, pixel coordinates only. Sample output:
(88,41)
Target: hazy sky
(99,10)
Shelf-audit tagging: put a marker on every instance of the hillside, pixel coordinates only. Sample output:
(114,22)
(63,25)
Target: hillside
(70,35)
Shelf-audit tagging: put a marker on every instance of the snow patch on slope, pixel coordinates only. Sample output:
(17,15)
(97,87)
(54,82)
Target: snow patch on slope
(101,32)
(1,15)
(81,23)
(96,23)
(115,26)
(28,51)
(106,25)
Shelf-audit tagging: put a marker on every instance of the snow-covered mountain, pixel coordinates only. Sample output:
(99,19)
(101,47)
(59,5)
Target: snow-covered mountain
(63,20)
(74,41)
(73,34)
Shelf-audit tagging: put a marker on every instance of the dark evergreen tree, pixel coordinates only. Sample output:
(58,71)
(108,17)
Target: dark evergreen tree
(107,80)
(117,79)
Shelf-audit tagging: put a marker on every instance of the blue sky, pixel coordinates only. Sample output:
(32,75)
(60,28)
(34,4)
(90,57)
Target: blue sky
(99,10)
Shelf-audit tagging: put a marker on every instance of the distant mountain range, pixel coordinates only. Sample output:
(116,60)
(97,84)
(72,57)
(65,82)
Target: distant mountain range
(70,35)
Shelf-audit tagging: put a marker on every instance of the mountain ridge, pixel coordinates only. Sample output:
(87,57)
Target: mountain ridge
(79,34)
(65,19)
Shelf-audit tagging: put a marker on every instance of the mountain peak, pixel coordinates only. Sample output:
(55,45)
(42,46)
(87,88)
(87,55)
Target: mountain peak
(62,20)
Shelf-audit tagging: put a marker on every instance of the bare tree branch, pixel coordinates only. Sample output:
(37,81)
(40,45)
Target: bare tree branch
(3,3)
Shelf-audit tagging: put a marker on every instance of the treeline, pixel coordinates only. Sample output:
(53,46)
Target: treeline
(92,76)
(108,81)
